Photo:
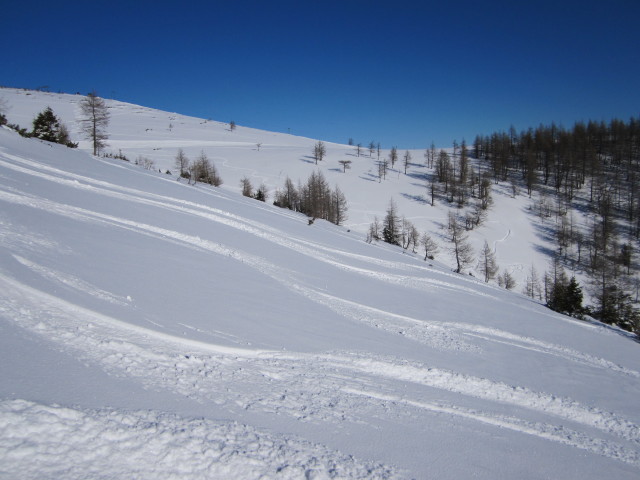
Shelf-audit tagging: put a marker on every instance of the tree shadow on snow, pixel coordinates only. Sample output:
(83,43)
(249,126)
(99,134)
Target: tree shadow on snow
(369,177)
(416,198)
(308,159)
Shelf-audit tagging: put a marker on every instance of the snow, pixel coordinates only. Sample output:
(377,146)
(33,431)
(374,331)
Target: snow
(152,329)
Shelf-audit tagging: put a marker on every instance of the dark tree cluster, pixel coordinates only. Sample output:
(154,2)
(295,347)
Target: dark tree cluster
(47,126)
(247,190)
(455,181)
(199,170)
(314,198)
(593,167)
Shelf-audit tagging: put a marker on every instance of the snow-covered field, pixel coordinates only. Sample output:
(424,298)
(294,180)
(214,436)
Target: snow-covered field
(152,329)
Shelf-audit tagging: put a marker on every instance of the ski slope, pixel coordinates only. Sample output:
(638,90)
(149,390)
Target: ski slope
(152,329)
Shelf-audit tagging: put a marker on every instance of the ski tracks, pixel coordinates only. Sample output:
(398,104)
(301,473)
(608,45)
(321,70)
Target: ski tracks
(330,387)
(443,335)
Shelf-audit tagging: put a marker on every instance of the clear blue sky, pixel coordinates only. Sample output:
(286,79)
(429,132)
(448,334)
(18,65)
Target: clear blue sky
(395,72)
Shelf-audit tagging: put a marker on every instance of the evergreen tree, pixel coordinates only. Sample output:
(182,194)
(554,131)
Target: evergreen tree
(573,292)
(262,193)
(46,126)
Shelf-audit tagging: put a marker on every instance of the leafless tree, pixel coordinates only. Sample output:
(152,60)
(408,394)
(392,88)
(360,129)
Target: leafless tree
(247,188)
(393,156)
(338,208)
(374,230)
(94,121)
(319,151)
(203,170)
(488,265)
(508,281)
(460,247)
(372,148)
(429,245)
(182,163)
(4,108)
(407,160)
(345,165)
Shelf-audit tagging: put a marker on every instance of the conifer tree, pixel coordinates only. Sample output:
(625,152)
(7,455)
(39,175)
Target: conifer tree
(488,265)
(460,247)
(390,225)
(46,126)
(407,160)
(393,156)
(95,119)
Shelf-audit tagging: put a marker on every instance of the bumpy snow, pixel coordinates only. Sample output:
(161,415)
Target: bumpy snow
(152,329)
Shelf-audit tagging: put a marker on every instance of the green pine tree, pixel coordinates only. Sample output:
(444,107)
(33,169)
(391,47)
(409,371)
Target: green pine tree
(46,126)
(573,302)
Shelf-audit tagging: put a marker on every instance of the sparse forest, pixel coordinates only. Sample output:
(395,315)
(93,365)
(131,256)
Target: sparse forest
(585,185)
(314,198)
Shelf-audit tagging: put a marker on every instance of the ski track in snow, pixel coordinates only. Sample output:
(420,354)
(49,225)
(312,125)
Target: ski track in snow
(423,330)
(258,229)
(40,441)
(72,282)
(329,387)
(335,387)
(436,334)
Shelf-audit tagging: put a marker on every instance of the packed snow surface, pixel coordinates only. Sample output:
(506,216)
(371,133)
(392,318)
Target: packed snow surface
(154,329)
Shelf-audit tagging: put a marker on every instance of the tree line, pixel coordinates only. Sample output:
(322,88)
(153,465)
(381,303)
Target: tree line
(593,169)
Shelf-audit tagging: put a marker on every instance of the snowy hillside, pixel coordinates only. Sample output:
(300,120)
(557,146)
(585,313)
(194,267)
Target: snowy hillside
(152,329)
(512,229)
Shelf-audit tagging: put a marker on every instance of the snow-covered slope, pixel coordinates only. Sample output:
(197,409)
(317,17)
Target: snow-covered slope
(512,228)
(151,329)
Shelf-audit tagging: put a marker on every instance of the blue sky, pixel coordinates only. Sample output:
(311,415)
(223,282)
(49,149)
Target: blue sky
(399,73)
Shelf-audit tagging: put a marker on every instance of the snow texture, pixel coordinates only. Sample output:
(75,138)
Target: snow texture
(153,329)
